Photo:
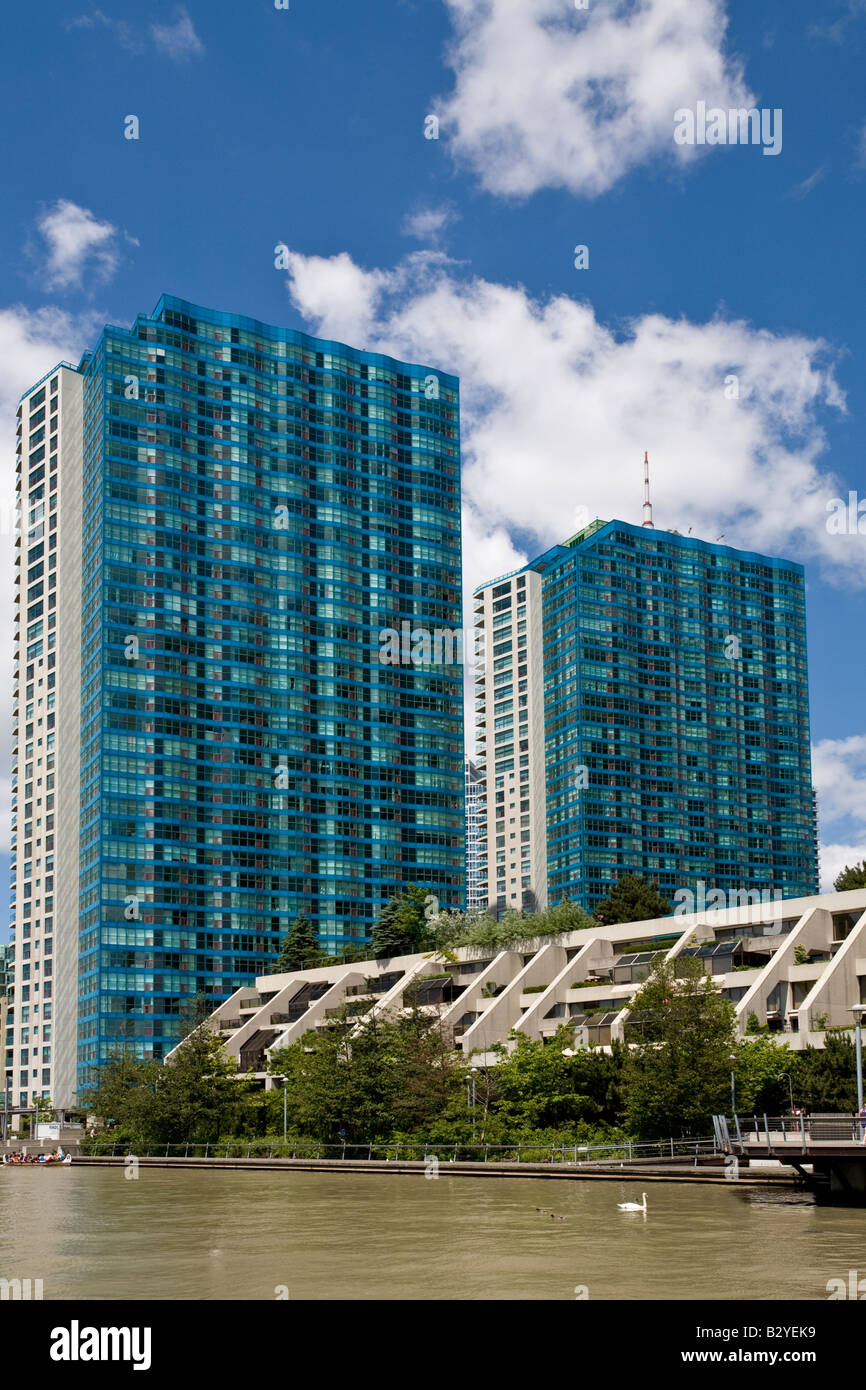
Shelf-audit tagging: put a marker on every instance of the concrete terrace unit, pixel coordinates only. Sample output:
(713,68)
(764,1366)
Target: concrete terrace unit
(797,965)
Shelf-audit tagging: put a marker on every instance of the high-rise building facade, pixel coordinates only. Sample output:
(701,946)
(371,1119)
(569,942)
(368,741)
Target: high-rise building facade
(475,896)
(510,739)
(5,1042)
(674,739)
(46,738)
(247,508)
(4,951)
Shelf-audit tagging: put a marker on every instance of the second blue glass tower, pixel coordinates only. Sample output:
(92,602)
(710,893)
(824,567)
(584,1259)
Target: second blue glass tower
(257,506)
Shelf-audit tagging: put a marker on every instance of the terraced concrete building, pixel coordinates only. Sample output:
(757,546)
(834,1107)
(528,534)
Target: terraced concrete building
(797,965)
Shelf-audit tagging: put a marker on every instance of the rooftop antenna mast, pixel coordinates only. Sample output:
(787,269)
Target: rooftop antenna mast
(647,504)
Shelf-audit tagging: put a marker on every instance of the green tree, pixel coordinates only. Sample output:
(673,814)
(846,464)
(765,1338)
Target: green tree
(370,1078)
(301,950)
(632,898)
(678,1075)
(430,1074)
(550,1086)
(854,877)
(447,930)
(124,1098)
(825,1079)
(201,1094)
(565,916)
(760,1075)
(401,928)
(195,1098)
(385,938)
(195,1012)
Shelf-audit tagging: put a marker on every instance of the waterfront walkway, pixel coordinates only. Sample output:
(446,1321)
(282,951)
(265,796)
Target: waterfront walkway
(707,1169)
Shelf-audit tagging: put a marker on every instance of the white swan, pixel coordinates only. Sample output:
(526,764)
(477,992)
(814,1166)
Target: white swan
(633,1206)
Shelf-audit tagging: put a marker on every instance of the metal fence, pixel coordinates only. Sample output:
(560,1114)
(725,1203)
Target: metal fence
(626,1151)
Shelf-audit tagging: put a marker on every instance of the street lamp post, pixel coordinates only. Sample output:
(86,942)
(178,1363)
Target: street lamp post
(733,1088)
(790,1088)
(278,1076)
(473,1074)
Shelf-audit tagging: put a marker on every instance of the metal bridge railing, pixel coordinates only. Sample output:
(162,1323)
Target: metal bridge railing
(800,1131)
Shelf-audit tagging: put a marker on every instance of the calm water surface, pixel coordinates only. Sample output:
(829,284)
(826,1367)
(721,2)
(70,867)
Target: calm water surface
(92,1234)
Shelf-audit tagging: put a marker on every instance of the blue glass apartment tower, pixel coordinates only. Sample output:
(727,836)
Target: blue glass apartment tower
(644,707)
(252,507)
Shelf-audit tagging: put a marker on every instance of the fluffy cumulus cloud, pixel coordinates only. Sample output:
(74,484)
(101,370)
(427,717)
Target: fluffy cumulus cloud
(839,773)
(558,409)
(76,244)
(31,343)
(550,96)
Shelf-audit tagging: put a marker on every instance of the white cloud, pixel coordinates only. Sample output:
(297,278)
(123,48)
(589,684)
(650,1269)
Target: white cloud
(803,189)
(31,343)
(318,280)
(547,96)
(837,30)
(835,858)
(77,243)
(118,27)
(428,223)
(558,408)
(178,40)
(839,774)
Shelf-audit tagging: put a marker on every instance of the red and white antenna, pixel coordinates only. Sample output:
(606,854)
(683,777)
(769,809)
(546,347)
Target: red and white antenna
(647,504)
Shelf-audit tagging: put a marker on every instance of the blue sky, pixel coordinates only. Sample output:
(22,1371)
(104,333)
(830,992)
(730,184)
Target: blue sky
(306,127)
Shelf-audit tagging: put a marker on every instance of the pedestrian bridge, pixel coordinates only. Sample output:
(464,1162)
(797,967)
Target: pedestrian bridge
(827,1151)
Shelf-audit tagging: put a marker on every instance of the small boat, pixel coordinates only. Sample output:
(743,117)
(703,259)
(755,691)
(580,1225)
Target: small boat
(36,1161)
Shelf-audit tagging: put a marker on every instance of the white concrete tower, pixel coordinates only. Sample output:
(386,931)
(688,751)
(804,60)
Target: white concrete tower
(46,739)
(509,708)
